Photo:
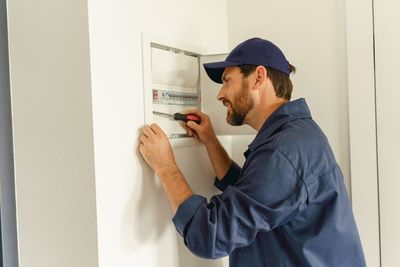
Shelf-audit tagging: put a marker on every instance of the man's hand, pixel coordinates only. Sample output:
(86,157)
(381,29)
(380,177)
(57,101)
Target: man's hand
(204,131)
(156,149)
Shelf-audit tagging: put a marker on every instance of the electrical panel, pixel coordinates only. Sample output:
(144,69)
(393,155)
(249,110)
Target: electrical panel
(174,87)
(175,81)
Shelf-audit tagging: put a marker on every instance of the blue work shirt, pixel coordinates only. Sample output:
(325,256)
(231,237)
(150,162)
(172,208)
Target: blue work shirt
(287,206)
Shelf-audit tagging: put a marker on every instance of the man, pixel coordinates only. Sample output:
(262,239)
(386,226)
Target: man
(288,205)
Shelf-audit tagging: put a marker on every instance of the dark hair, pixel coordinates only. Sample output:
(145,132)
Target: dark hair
(281,82)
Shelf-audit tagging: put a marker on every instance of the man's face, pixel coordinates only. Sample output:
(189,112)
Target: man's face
(234,94)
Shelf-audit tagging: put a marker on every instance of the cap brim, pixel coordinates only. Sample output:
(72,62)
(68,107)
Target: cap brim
(216,69)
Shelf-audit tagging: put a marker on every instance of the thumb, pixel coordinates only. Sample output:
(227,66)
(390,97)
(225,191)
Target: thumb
(193,125)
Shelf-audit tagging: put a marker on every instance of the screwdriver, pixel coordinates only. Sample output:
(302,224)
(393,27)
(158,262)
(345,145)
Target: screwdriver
(179,116)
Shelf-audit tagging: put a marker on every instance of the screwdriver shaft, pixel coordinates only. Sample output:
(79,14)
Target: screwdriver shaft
(179,116)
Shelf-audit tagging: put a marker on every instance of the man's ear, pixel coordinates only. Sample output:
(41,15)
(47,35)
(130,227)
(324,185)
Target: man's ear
(261,75)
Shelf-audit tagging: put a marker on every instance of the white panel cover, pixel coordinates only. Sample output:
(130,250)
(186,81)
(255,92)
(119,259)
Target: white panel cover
(169,68)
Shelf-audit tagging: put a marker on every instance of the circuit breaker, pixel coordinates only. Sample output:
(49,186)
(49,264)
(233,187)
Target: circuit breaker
(175,81)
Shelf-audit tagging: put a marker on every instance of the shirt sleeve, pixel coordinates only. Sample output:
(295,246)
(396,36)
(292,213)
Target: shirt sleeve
(230,178)
(267,195)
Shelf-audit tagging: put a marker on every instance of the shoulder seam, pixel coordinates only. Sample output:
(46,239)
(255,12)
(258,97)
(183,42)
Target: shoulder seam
(295,169)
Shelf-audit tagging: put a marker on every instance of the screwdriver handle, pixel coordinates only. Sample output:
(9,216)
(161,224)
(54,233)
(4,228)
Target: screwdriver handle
(185,118)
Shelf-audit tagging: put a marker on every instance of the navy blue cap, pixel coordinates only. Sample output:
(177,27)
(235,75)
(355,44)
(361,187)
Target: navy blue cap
(255,51)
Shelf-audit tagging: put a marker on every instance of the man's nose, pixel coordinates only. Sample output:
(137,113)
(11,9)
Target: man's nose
(220,94)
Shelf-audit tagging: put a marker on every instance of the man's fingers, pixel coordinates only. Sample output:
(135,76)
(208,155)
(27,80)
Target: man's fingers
(143,139)
(156,129)
(189,131)
(148,131)
(193,125)
(141,146)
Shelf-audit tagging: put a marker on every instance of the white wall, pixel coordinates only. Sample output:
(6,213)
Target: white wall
(312,36)
(52,131)
(387,59)
(362,125)
(134,218)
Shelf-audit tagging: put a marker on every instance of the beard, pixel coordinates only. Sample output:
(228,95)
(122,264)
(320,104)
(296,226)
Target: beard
(240,106)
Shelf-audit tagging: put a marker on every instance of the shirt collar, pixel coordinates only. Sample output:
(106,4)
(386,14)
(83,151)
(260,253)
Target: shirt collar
(293,110)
